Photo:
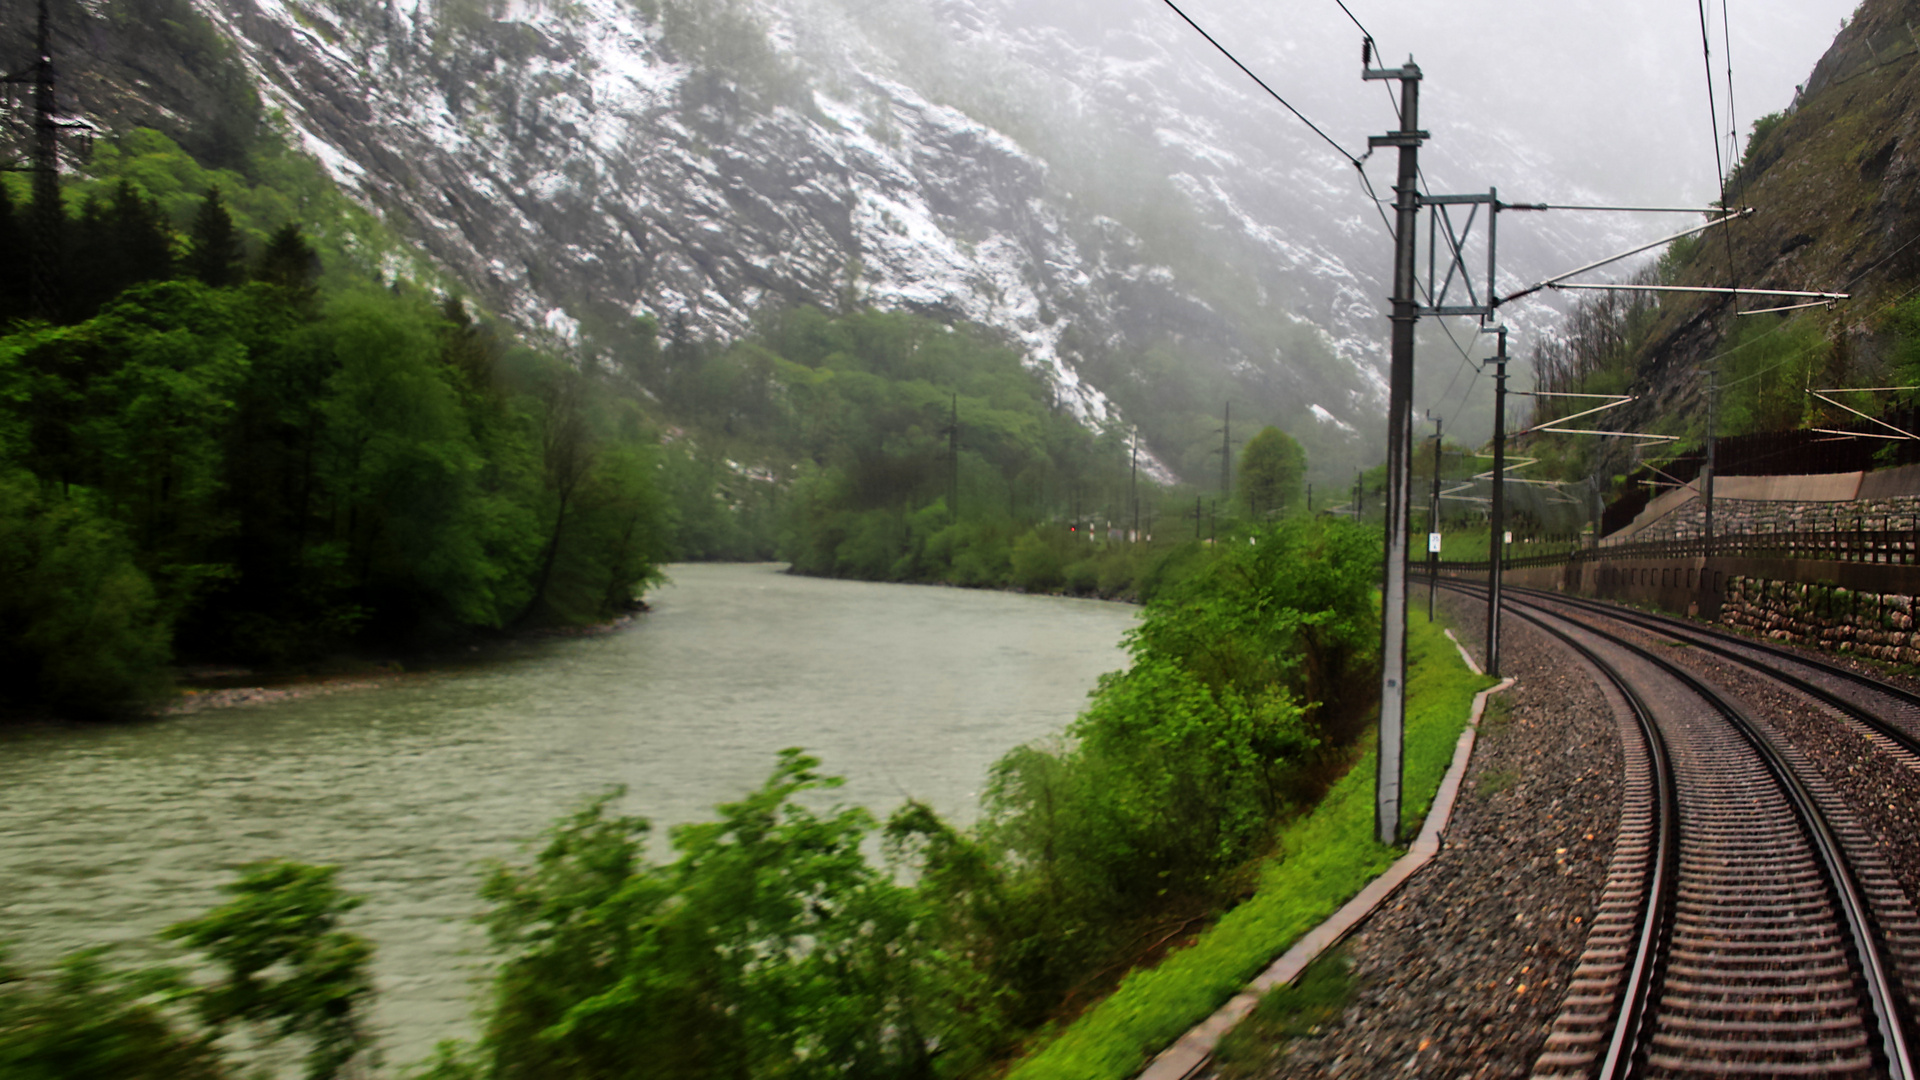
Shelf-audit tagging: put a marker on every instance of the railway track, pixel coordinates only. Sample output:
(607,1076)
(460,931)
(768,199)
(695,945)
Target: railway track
(1886,715)
(1748,926)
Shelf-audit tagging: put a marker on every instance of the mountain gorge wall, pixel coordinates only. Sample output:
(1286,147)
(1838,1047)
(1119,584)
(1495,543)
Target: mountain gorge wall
(1144,229)
(1835,189)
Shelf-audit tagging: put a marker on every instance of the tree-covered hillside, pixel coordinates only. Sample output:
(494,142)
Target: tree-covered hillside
(227,439)
(1831,185)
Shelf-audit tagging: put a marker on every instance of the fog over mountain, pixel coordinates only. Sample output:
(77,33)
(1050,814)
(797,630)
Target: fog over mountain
(1141,220)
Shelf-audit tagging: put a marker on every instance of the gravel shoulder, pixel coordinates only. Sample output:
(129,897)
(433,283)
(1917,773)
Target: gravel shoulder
(1461,974)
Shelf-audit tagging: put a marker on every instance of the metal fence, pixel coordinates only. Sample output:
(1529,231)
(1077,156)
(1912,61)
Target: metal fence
(1894,546)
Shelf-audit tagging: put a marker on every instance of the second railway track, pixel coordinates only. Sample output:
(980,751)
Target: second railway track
(1748,927)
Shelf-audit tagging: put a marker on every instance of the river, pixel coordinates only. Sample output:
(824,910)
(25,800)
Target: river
(108,834)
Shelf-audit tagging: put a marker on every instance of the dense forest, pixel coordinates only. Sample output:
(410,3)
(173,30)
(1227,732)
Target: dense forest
(226,439)
(891,447)
(238,424)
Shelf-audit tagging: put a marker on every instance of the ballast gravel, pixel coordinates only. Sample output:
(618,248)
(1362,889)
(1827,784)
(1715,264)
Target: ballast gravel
(1460,974)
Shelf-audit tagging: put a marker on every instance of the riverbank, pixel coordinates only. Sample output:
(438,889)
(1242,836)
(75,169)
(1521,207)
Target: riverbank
(201,687)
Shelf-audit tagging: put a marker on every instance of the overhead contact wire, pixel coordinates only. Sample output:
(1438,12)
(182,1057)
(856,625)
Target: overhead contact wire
(1341,150)
(1358,163)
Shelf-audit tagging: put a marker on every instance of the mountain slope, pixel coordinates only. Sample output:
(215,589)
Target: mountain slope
(1146,229)
(1834,184)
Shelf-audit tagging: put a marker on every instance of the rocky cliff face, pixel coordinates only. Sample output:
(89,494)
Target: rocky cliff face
(1094,194)
(1834,185)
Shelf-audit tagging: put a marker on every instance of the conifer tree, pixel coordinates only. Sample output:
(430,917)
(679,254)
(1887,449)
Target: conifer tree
(214,255)
(15,266)
(141,235)
(290,262)
(91,258)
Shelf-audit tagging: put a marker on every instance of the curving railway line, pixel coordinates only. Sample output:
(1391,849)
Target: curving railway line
(1749,924)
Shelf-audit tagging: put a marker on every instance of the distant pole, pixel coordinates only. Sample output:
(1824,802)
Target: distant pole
(1497,543)
(1309,500)
(1406,312)
(1433,523)
(1196,518)
(953,460)
(1133,484)
(1594,504)
(1706,473)
(1226,456)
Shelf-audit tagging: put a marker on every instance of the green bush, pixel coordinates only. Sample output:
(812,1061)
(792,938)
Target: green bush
(287,970)
(1038,563)
(1171,782)
(87,1021)
(80,627)
(769,947)
(1322,860)
(1082,577)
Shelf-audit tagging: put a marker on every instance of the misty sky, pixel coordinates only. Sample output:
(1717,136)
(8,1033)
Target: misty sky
(1607,94)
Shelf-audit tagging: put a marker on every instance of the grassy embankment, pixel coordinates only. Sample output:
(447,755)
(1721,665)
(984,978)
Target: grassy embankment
(1323,859)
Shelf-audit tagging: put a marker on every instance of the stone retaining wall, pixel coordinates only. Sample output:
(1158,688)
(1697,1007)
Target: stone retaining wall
(1879,625)
(1736,516)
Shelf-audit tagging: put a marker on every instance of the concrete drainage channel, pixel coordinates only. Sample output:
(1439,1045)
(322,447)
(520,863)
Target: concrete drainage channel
(1191,1052)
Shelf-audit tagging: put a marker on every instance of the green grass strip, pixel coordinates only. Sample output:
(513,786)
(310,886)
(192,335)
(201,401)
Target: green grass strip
(1325,858)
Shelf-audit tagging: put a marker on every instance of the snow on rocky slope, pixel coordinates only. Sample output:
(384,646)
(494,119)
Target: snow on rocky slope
(1075,179)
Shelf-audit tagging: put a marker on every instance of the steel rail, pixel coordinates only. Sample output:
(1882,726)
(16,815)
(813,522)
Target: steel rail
(1662,870)
(1893,1052)
(1710,640)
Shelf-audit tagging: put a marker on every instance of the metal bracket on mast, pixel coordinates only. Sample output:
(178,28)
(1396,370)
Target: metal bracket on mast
(1614,401)
(1898,433)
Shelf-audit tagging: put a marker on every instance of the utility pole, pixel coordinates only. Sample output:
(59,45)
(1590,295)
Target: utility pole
(1197,517)
(1706,473)
(1433,523)
(1497,553)
(43,161)
(1309,500)
(953,460)
(1226,456)
(1406,312)
(1133,483)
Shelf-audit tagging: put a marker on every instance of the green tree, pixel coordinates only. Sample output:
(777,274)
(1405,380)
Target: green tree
(214,252)
(290,262)
(286,965)
(402,469)
(80,627)
(1273,471)
(89,1021)
(770,947)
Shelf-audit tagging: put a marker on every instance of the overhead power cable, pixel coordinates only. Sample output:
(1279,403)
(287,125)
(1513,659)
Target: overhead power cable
(1713,109)
(1358,163)
(1733,119)
(1356,20)
(1341,150)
